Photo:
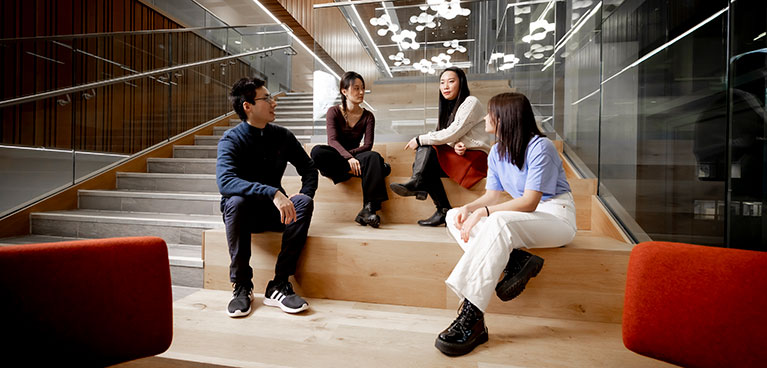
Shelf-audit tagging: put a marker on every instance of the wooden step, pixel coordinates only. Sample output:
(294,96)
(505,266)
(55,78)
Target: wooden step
(407,265)
(344,200)
(377,335)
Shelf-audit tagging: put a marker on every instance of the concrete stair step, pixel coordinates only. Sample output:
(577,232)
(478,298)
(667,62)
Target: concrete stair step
(195,151)
(185,260)
(219,130)
(294,113)
(295,102)
(85,223)
(143,201)
(212,140)
(407,264)
(182,165)
(293,108)
(206,140)
(167,182)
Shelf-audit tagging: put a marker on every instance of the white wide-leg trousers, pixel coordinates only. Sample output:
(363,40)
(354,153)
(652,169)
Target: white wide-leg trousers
(491,241)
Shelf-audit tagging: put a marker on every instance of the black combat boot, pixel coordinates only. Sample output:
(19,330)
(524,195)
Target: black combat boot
(521,268)
(465,333)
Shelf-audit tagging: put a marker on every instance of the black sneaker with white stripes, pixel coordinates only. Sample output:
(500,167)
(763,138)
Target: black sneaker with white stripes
(282,295)
(242,298)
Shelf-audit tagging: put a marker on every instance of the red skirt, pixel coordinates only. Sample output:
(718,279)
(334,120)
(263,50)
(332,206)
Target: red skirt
(465,170)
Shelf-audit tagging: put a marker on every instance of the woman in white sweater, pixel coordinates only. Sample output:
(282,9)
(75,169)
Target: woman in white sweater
(457,149)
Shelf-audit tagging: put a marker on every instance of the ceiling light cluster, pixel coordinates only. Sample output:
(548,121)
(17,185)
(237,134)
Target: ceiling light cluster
(538,30)
(582,4)
(406,38)
(447,9)
(425,66)
(424,20)
(454,46)
(399,59)
(509,60)
(537,50)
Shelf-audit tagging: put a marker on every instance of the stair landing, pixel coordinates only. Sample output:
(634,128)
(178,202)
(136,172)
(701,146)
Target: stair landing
(353,334)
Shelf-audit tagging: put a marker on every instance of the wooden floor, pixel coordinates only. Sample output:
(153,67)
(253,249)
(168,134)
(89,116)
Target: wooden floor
(352,334)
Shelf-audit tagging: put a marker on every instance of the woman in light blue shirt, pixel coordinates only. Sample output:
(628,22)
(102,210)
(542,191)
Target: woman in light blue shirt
(492,229)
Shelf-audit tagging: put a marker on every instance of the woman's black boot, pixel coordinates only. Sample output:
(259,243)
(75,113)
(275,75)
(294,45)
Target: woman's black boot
(465,333)
(368,216)
(414,186)
(522,266)
(437,219)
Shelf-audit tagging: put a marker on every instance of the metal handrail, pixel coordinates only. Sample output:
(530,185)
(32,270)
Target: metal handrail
(130,33)
(84,87)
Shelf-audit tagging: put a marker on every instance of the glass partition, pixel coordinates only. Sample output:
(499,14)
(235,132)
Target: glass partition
(747,227)
(641,92)
(400,48)
(59,139)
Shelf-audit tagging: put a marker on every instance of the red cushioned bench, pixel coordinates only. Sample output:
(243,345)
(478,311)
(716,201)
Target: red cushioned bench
(697,306)
(91,302)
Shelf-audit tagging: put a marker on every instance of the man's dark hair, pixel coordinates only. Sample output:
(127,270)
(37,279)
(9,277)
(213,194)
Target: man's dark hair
(244,91)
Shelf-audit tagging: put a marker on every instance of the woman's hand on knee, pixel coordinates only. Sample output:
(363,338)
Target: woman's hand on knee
(354,165)
(461,216)
(472,220)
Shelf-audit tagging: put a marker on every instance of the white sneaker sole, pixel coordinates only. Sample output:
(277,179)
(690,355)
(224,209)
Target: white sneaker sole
(275,303)
(240,313)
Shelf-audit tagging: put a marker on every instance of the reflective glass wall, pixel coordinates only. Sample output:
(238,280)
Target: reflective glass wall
(54,132)
(662,101)
(747,93)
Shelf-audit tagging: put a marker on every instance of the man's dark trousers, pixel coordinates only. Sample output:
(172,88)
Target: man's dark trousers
(243,216)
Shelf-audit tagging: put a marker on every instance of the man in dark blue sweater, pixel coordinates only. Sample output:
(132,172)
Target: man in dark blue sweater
(251,160)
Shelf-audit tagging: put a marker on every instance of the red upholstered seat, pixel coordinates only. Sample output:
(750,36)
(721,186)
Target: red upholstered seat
(697,306)
(94,302)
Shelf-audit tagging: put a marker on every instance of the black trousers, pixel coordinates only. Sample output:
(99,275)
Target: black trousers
(243,216)
(431,177)
(334,166)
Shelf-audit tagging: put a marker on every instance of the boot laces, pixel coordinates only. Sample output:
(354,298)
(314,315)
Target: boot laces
(465,315)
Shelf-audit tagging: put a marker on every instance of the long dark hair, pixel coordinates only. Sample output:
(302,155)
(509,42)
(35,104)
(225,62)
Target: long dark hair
(448,108)
(244,90)
(346,81)
(514,126)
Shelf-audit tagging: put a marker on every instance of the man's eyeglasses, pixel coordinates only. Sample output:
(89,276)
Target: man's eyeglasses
(267,98)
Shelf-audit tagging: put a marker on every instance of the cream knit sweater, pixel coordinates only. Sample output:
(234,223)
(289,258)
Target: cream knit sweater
(467,127)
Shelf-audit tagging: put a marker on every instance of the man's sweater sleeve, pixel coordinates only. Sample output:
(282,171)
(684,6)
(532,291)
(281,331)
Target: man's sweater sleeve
(228,180)
(304,165)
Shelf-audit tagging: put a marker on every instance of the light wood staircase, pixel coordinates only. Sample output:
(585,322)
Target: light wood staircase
(405,264)
(378,295)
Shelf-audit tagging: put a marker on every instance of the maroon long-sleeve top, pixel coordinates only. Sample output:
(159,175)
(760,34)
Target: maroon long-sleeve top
(345,139)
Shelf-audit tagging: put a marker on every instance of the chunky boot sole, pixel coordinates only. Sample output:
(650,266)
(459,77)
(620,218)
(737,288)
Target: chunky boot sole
(453,349)
(360,220)
(511,288)
(432,224)
(403,191)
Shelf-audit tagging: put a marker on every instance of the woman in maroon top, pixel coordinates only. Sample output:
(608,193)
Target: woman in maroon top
(343,157)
